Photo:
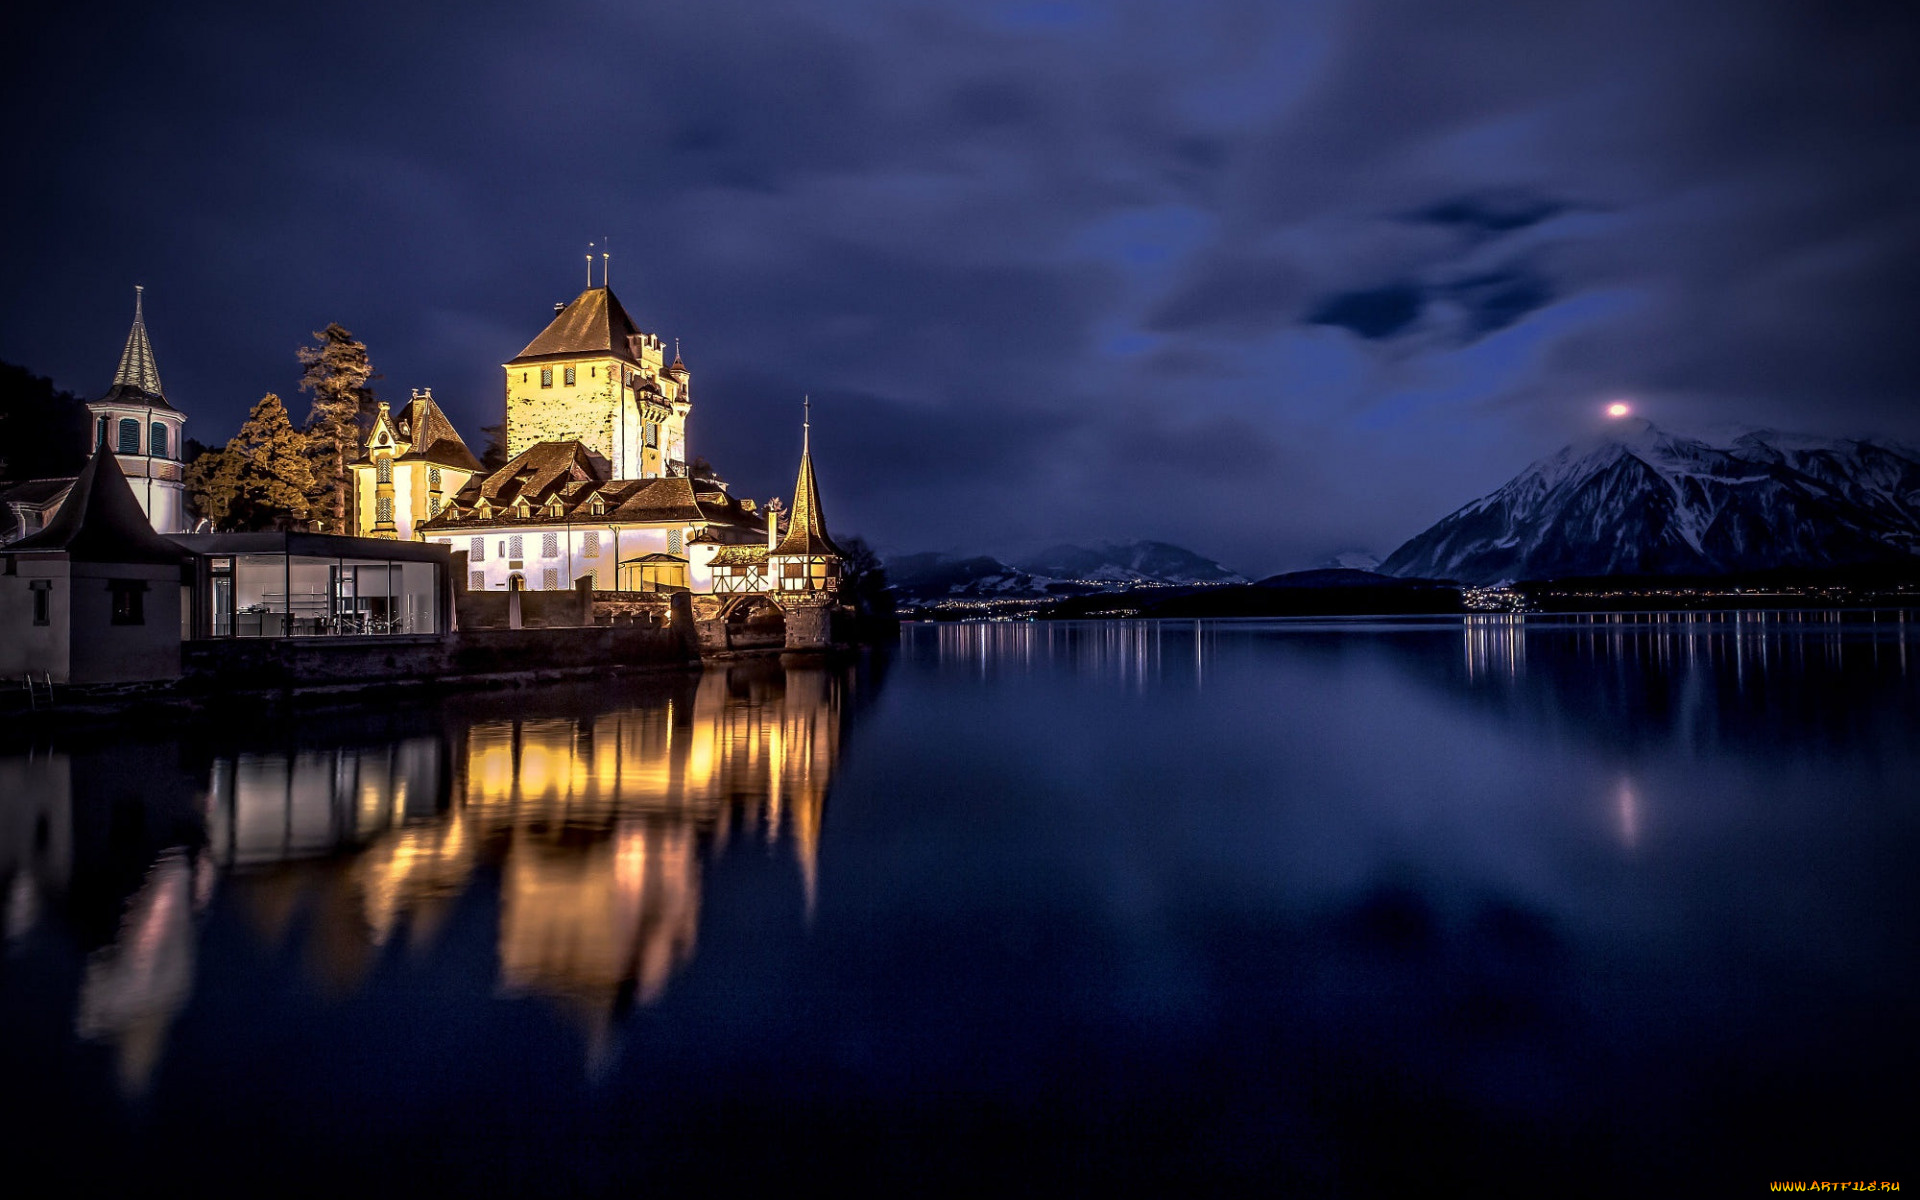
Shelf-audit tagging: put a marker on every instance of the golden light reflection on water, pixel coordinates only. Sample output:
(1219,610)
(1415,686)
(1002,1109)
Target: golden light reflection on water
(598,826)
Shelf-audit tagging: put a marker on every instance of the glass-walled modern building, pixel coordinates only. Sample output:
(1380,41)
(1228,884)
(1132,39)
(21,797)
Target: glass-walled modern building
(316,585)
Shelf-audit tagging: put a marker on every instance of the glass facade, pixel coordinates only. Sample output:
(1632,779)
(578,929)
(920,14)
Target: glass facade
(304,594)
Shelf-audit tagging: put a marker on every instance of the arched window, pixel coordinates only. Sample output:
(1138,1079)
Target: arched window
(157,438)
(129,436)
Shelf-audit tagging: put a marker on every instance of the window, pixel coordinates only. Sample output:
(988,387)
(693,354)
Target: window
(652,432)
(129,436)
(477,549)
(433,478)
(590,543)
(129,595)
(550,579)
(476,581)
(383,468)
(100,434)
(549,545)
(515,548)
(546,376)
(42,601)
(383,510)
(157,438)
(569,376)
(674,545)
(433,506)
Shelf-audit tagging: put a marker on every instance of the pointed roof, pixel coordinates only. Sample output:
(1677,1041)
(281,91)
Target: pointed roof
(137,380)
(433,438)
(807,527)
(101,522)
(595,323)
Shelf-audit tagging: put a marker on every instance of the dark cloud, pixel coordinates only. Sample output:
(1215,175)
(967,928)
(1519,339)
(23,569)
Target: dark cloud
(1263,279)
(1491,214)
(1497,299)
(1374,313)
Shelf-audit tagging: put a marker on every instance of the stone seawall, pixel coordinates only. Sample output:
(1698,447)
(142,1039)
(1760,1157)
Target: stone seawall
(252,664)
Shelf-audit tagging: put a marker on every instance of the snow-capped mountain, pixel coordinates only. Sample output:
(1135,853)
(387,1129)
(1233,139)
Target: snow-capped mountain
(1646,502)
(1127,562)
(1061,570)
(1349,560)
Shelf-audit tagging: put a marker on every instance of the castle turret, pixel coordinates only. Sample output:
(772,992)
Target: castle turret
(135,422)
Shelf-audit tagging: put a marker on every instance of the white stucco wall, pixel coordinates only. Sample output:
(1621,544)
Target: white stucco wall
(26,648)
(569,564)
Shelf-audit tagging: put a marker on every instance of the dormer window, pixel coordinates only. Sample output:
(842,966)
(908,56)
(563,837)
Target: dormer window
(555,508)
(599,506)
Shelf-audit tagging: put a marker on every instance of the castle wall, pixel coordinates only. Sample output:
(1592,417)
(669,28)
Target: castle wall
(586,412)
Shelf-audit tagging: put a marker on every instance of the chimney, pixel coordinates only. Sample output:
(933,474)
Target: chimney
(559,306)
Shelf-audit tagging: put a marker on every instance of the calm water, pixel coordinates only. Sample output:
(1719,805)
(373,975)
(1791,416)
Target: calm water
(1336,908)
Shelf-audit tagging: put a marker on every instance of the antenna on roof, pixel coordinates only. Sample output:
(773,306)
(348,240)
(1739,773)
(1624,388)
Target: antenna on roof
(589,264)
(606,262)
(806,423)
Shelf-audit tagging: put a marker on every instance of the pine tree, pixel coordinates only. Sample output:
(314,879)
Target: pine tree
(337,374)
(261,479)
(213,486)
(494,456)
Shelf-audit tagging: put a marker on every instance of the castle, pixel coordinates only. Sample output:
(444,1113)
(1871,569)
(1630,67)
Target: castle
(599,492)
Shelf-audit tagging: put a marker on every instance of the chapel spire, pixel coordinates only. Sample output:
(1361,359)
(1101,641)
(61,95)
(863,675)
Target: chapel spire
(137,369)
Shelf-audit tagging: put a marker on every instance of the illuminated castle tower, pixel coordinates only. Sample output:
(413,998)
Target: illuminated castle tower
(135,421)
(593,377)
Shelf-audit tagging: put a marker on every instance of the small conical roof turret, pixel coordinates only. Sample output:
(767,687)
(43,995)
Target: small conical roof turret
(137,379)
(807,527)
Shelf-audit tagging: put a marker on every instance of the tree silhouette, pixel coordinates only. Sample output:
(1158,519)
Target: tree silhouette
(43,430)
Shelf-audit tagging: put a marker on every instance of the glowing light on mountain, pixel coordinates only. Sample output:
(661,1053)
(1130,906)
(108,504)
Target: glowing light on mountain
(1619,408)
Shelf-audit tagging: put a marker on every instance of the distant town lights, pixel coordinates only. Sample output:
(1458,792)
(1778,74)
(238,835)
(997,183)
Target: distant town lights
(1618,409)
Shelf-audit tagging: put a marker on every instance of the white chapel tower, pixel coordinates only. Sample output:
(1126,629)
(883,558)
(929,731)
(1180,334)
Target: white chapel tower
(135,422)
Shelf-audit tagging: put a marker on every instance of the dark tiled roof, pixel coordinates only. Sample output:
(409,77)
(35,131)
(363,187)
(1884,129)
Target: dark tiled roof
(595,323)
(536,473)
(669,499)
(101,522)
(740,556)
(539,475)
(34,492)
(433,438)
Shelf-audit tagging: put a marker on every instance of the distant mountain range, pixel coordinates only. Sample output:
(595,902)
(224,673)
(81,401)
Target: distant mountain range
(1647,502)
(1058,571)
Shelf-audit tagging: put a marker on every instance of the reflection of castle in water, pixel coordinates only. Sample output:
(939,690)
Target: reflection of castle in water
(597,823)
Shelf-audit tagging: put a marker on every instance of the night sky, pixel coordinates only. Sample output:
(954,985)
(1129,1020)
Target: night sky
(1266,280)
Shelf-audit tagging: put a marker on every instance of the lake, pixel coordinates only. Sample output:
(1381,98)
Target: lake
(1543,905)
